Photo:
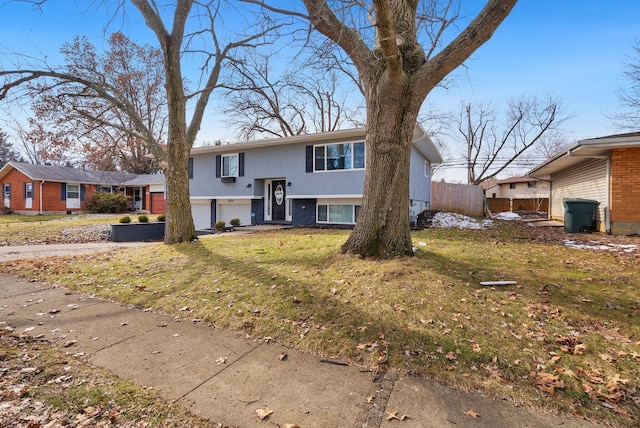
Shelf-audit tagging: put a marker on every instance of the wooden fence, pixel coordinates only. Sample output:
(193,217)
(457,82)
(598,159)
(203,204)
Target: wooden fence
(457,198)
(499,205)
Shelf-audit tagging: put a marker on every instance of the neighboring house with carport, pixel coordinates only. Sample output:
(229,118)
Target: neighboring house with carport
(40,189)
(606,170)
(147,193)
(301,180)
(516,194)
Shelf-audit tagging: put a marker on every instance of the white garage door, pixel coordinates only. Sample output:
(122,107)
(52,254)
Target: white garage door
(201,212)
(239,210)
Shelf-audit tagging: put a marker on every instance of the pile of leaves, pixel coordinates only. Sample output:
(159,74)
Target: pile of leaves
(42,387)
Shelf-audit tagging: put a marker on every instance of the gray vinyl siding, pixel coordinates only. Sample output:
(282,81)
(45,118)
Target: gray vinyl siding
(419,183)
(587,180)
(282,162)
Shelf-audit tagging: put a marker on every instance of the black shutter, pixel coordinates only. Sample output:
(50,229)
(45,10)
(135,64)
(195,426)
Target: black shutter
(24,190)
(241,165)
(190,168)
(309,158)
(83,190)
(63,191)
(218,166)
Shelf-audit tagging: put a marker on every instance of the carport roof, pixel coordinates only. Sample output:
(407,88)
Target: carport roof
(583,149)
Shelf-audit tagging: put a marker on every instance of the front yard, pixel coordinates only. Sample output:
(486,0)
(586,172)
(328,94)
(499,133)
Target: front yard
(566,337)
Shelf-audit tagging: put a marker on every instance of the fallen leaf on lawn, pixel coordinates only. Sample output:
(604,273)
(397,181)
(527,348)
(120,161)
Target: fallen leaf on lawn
(566,372)
(475,347)
(554,359)
(579,349)
(394,415)
(370,399)
(264,413)
(606,357)
(471,414)
(547,382)
(290,426)
(617,379)
(283,357)
(221,360)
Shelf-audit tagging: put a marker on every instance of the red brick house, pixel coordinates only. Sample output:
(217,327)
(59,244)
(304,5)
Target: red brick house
(39,189)
(606,170)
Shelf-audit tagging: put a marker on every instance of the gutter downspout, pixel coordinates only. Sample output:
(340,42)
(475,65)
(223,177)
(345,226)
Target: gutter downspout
(40,195)
(607,209)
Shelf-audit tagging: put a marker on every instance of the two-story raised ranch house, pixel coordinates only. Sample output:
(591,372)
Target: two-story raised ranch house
(300,180)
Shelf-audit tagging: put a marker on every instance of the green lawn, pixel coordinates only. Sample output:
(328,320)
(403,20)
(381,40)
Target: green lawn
(566,337)
(20,218)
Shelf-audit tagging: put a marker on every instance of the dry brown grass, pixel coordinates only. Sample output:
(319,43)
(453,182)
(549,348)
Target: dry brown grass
(567,337)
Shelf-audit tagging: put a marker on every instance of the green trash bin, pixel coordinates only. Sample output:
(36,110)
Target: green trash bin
(579,215)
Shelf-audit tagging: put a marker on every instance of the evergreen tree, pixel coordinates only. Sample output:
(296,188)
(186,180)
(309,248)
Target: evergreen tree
(7,154)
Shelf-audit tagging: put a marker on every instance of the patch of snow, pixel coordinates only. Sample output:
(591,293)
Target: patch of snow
(507,216)
(595,245)
(460,221)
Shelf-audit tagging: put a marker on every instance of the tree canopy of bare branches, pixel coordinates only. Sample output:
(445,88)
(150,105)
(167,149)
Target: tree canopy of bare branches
(261,101)
(401,51)
(629,117)
(93,130)
(191,35)
(494,141)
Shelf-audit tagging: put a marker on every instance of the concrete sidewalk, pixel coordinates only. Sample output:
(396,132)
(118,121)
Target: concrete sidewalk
(225,377)
(21,252)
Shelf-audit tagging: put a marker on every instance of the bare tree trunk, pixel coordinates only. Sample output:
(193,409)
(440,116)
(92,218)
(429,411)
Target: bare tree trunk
(383,228)
(179,225)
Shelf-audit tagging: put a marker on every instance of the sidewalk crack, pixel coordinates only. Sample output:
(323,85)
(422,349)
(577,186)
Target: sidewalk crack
(226,367)
(375,405)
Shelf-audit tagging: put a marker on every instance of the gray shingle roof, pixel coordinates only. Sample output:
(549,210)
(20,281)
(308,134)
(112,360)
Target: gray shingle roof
(143,180)
(67,174)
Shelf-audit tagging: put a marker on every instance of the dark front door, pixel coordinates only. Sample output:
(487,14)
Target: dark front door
(278,200)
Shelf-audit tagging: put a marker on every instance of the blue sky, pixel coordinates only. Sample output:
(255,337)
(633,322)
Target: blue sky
(574,50)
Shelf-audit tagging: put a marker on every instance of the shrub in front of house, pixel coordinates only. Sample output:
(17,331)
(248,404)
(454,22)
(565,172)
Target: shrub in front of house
(162,217)
(220,226)
(105,202)
(143,218)
(235,222)
(125,219)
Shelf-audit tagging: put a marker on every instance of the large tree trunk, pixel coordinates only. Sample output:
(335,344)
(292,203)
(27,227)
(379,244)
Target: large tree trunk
(179,225)
(383,225)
